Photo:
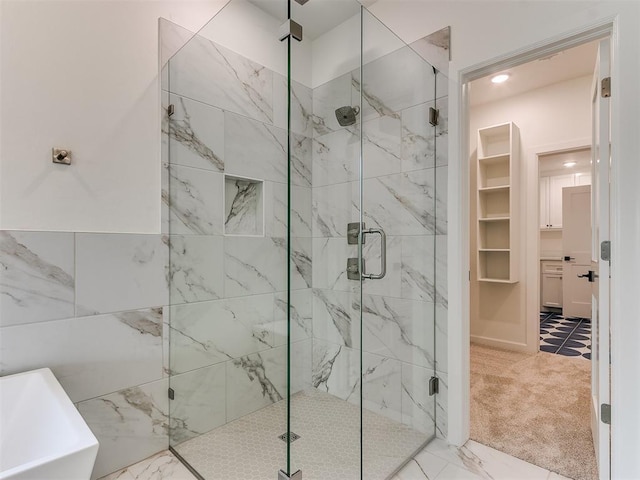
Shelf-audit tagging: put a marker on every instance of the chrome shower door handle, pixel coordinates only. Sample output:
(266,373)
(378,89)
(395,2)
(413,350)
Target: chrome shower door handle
(383,254)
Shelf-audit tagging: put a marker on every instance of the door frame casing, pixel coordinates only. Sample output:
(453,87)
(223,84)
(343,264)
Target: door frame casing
(458,200)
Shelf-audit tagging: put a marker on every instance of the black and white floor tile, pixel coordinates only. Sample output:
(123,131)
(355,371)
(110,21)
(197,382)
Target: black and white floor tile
(565,336)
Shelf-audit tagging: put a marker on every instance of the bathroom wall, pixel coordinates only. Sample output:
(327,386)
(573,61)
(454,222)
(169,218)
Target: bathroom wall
(84,76)
(405,170)
(225,199)
(548,117)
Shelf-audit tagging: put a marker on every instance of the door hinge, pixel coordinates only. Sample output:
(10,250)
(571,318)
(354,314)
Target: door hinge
(171,109)
(172,394)
(605,413)
(605,88)
(434,115)
(605,250)
(434,385)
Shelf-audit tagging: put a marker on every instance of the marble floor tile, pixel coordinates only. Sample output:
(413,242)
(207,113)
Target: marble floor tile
(161,466)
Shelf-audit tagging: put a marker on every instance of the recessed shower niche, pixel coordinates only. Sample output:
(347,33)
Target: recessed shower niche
(243,206)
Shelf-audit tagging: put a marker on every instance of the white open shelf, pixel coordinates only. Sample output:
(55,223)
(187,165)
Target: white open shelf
(497,199)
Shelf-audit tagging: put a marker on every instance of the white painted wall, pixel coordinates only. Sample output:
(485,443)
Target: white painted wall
(552,115)
(488,31)
(84,75)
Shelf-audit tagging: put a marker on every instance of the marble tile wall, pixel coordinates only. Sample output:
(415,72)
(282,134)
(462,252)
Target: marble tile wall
(227,319)
(404,316)
(90,307)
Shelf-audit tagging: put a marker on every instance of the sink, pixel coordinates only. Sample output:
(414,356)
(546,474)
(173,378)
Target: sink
(42,435)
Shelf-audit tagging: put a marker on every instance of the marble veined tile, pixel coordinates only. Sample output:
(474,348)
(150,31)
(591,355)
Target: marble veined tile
(398,328)
(258,150)
(381,150)
(336,370)
(163,465)
(212,74)
(441,270)
(442,405)
(90,356)
(199,402)
(401,204)
(435,48)
(37,281)
(390,285)
(207,333)
(418,407)
(256,381)
(485,462)
(301,106)
(195,268)
(418,267)
(277,209)
(394,82)
(336,157)
(330,264)
(301,313)
(418,138)
(116,272)
(326,99)
(424,466)
(194,198)
(442,132)
(441,200)
(333,207)
(130,425)
(442,321)
(196,134)
(334,319)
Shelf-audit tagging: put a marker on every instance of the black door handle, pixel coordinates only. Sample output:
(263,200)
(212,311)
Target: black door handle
(591,275)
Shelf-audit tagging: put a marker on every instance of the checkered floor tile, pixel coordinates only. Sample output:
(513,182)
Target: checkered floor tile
(565,336)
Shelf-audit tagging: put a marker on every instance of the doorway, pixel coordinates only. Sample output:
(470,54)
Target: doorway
(510,134)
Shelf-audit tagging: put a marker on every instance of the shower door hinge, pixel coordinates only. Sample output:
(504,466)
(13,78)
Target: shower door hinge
(171,109)
(605,413)
(295,476)
(606,87)
(434,385)
(290,28)
(172,394)
(433,116)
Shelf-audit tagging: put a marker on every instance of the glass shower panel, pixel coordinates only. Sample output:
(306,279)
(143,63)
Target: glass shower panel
(326,413)
(227,222)
(398,207)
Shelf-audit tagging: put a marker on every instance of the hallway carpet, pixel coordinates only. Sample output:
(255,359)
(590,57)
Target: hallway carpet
(534,407)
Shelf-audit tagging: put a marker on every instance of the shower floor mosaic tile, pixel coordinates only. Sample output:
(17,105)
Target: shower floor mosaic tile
(565,336)
(328,447)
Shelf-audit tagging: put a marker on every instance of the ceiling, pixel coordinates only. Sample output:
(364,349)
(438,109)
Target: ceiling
(554,163)
(315,16)
(568,64)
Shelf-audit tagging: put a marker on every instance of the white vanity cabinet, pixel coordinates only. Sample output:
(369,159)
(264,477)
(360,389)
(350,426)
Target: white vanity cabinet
(551,279)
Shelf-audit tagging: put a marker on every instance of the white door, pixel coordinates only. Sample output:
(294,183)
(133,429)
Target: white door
(544,202)
(576,251)
(600,329)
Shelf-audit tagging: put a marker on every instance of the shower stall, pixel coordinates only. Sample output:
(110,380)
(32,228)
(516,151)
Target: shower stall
(304,202)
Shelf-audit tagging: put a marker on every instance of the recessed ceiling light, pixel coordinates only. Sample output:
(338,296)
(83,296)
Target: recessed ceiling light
(569,164)
(503,77)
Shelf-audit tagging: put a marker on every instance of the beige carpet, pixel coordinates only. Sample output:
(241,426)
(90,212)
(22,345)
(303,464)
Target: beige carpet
(534,407)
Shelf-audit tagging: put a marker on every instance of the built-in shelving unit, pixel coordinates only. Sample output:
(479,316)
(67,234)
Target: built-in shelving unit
(498,202)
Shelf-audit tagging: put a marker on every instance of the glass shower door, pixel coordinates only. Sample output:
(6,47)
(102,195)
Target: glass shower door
(398,204)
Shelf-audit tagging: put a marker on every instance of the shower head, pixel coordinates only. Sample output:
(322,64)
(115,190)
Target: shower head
(347,115)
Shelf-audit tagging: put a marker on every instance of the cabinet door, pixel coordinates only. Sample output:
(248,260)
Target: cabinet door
(556,184)
(552,291)
(544,202)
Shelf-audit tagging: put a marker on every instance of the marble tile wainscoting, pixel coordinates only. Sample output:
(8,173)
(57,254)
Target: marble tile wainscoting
(90,307)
